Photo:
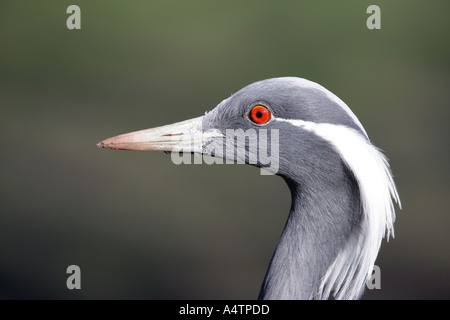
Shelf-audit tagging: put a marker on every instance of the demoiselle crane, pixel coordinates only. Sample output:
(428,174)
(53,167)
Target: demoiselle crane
(341,185)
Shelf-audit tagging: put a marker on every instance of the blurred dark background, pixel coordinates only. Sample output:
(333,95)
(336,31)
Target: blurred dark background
(141,227)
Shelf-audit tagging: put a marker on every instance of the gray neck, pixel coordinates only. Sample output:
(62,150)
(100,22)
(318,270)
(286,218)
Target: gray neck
(325,211)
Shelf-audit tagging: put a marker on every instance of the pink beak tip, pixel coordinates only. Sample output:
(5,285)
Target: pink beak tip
(107,145)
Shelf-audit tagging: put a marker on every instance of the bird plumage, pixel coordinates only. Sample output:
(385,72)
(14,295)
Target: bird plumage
(341,184)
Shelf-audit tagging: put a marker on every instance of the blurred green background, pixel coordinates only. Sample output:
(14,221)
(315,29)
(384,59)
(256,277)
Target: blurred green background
(141,227)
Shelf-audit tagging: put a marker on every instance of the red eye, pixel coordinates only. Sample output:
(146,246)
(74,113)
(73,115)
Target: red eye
(260,114)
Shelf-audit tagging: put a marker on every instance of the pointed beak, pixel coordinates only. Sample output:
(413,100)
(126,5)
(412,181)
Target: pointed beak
(187,136)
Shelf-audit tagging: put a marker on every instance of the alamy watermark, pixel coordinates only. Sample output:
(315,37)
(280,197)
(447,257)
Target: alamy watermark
(374,281)
(256,147)
(74,280)
(73,22)
(374,20)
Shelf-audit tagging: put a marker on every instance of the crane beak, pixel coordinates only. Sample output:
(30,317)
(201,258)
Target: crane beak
(186,136)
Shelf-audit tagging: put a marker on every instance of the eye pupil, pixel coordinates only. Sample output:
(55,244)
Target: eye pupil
(259,114)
